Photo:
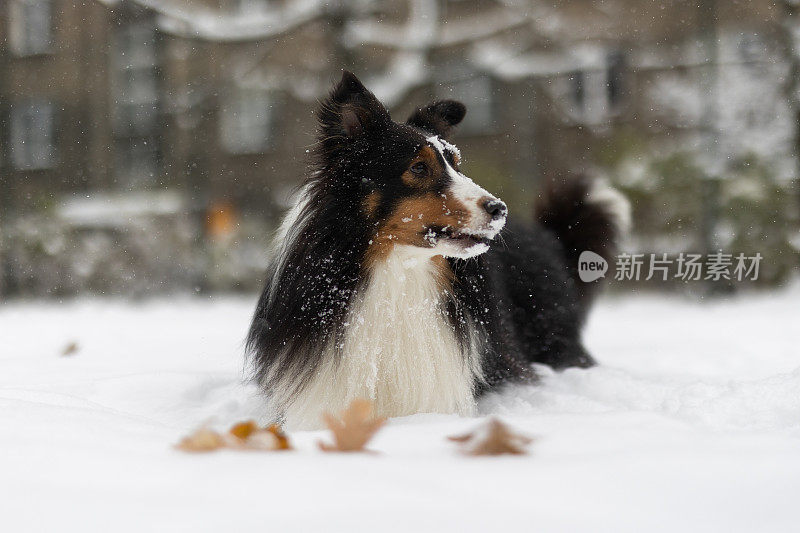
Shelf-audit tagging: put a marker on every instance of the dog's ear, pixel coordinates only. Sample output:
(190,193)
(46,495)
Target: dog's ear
(349,111)
(438,117)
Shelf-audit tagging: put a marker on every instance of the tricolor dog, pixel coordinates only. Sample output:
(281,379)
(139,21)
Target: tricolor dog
(397,278)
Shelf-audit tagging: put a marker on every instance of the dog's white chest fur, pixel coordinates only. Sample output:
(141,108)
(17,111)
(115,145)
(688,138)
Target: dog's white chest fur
(399,350)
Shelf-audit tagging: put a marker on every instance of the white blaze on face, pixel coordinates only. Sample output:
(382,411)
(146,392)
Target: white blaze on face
(469,193)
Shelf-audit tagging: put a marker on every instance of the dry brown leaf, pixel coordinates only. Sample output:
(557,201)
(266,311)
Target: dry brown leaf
(243,430)
(202,440)
(242,436)
(492,438)
(353,429)
(282,440)
(70,349)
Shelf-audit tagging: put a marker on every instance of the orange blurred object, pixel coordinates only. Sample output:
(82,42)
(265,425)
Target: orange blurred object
(220,219)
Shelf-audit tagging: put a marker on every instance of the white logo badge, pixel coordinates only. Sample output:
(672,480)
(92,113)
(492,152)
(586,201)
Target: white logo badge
(591,266)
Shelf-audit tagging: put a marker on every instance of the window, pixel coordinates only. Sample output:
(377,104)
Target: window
(32,135)
(750,47)
(30,27)
(615,72)
(136,81)
(246,121)
(596,93)
(136,117)
(136,162)
(577,85)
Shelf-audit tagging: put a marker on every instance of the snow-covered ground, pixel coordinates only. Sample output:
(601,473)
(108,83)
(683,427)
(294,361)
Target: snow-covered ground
(691,423)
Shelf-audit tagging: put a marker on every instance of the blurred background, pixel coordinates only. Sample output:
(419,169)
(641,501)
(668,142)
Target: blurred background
(150,146)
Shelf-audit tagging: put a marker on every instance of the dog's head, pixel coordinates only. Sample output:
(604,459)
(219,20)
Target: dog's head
(404,178)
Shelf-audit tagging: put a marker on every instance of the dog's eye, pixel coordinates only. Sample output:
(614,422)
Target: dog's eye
(419,169)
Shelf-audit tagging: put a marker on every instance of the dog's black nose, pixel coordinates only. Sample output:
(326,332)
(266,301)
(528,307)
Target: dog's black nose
(496,208)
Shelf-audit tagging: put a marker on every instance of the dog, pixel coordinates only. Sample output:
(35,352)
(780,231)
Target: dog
(390,279)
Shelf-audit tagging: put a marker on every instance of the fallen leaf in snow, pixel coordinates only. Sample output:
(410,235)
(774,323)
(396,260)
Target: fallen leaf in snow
(282,440)
(242,436)
(70,349)
(353,429)
(244,429)
(256,438)
(492,438)
(202,440)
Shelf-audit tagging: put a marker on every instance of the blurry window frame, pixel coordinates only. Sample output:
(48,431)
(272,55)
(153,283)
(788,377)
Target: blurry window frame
(135,81)
(135,76)
(749,48)
(577,89)
(32,135)
(596,95)
(30,30)
(246,120)
(136,161)
(615,79)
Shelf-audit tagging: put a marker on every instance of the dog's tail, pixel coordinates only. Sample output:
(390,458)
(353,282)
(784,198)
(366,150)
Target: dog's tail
(585,215)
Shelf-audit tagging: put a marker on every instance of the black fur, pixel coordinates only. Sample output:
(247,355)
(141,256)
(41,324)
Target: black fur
(439,117)
(579,225)
(522,296)
(524,292)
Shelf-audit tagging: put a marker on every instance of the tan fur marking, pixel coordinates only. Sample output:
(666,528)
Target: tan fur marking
(445,272)
(371,203)
(426,155)
(411,218)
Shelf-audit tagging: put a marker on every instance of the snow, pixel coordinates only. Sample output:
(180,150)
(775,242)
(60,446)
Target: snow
(691,422)
(452,148)
(253,23)
(412,43)
(100,209)
(751,114)
(437,33)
